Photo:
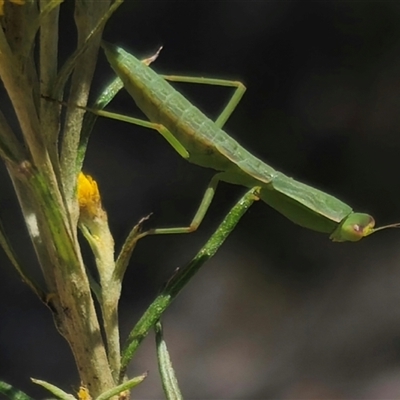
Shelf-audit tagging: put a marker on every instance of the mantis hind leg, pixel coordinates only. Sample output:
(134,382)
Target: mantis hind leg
(232,103)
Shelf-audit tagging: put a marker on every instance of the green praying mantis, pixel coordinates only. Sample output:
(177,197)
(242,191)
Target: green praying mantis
(202,141)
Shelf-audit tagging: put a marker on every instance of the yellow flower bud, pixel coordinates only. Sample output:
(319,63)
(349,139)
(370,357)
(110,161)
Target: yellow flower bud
(88,196)
(83,393)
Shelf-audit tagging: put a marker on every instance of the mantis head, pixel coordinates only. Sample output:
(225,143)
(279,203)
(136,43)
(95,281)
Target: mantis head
(355,227)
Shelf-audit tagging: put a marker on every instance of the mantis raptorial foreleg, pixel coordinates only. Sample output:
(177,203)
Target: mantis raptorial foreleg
(227,111)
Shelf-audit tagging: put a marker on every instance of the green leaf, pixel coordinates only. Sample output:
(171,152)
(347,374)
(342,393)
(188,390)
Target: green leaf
(182,276)
(54,389)
(127,248)
(6,245)
(131,383)
(168,377)
(13,393)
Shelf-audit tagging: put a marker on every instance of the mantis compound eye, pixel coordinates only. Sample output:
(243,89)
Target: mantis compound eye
(353,228)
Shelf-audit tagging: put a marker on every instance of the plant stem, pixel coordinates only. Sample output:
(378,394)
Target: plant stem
(182,276)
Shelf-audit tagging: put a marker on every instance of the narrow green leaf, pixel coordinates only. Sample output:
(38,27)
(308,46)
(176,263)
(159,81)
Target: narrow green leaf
(131,383)
(10,148)
(13,393)
(89,20)
(6,245)
(90,118)
(127,248)
(181,277)
(168,376)
(47,9)
(54,389)
(71,62)
(48,61)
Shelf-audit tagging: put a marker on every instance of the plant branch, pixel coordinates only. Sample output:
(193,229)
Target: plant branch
(181,278)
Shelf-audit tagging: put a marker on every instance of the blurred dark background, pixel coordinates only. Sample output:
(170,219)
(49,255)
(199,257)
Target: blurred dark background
(280,312)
